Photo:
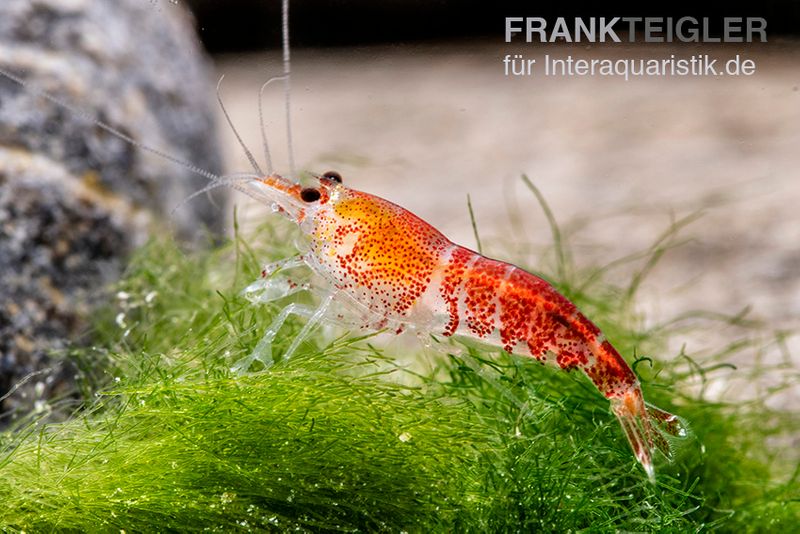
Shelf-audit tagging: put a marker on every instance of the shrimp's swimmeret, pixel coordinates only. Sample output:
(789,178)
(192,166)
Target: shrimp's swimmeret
(399,272)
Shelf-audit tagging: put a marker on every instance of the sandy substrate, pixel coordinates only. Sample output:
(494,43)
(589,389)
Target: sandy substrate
(618,160)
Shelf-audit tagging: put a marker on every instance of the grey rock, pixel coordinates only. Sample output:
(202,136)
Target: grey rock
(74,199)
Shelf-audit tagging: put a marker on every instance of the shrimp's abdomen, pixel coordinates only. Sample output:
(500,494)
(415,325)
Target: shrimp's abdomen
(501,304)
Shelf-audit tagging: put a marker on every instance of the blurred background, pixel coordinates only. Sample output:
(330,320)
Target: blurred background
(408,100)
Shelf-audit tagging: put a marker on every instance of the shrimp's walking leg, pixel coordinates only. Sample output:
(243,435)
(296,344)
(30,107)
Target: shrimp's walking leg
(263,351)
(272,286)
(281,265)
(312,322)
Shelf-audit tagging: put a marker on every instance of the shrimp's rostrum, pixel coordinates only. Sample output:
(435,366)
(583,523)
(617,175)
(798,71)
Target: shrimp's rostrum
(405,274)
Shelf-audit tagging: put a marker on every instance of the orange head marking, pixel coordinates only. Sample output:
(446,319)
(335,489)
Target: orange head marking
(379,252)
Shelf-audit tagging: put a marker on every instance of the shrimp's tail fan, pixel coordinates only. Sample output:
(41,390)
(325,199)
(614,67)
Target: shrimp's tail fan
(648,429)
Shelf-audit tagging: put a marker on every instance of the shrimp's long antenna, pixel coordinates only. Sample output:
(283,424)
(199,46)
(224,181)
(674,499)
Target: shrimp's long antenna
(247,152)
(229,180)
(108,128)
(232,181)
(267,156)
(286,83)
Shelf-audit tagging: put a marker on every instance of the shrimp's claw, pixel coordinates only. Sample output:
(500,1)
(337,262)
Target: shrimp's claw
(647,428)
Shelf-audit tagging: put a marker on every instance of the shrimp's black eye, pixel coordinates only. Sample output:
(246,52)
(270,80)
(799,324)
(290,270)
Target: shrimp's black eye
(309,194)
(334,176)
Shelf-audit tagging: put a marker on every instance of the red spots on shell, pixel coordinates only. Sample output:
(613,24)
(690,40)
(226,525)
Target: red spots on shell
(452,282)
(484,297)
(534,314)
(610,373)
(568,360)
(380,253)
(483,281)
(518,312)
(585,327)
(537,350)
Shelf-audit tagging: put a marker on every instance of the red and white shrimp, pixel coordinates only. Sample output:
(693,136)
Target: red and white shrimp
(399,272)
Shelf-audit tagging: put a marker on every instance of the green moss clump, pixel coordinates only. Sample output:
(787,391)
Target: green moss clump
(340,438)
